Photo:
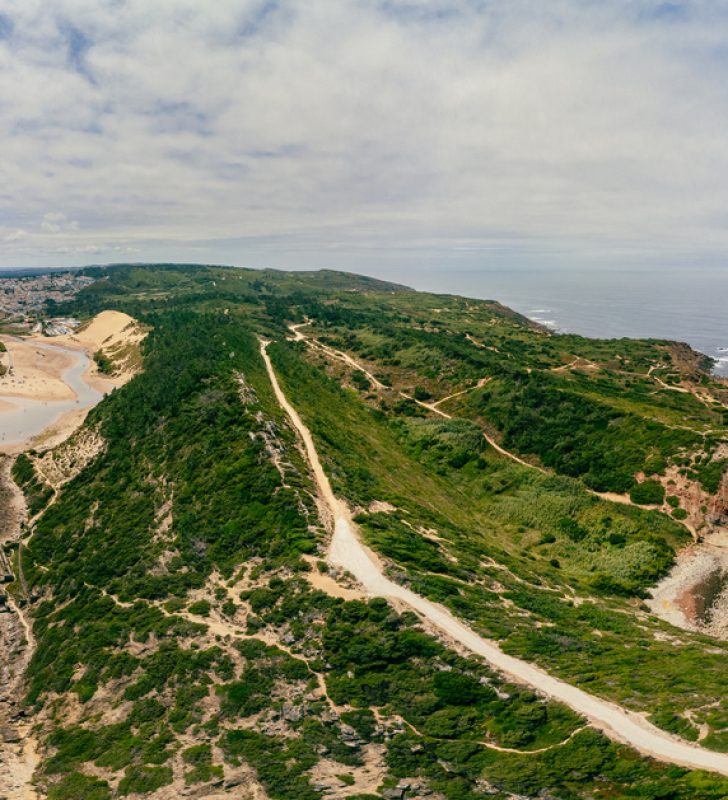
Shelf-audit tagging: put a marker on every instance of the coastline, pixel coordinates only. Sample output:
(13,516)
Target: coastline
(55,382)
(683,304)
(50,392)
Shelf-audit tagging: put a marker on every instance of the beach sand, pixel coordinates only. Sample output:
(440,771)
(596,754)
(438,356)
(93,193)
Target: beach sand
(36,373)
(113,332)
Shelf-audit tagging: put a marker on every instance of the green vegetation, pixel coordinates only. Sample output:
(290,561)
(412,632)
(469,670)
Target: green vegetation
(578,434)
(199,757)
(103,362)
(200,607)
(175,622)
(37,492)
(648,493)
(493,509)
(77,786)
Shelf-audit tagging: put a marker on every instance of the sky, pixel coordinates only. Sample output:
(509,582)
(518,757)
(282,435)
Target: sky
(367,135)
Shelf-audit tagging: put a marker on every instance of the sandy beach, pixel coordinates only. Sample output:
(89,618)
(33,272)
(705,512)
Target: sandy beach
(36,372)
(52,382)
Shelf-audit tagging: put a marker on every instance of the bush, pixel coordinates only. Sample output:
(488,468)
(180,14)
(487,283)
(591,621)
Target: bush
(103,362)
(76,786)
(648,493)
(200,608)
(457,689)
(360,380)
(144,780)
(572,529)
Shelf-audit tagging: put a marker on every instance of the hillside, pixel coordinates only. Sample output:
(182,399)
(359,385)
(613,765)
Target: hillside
(191,638)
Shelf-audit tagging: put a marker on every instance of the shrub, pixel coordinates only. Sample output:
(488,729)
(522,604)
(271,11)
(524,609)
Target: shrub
(77,786)
(572,529)
(103,362)
(648,493)
(200,608)
(456,689)
(360,380)
(144,780)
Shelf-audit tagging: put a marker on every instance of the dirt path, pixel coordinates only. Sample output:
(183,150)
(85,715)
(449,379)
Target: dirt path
(347,551)
(479,385)
(339,355)
(705,398)
(613,497)
(491,441)
(583,363)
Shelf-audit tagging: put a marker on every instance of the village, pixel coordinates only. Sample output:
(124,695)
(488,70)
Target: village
(24,300)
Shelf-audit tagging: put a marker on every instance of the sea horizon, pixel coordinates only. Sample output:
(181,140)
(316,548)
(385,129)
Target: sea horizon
(685,305)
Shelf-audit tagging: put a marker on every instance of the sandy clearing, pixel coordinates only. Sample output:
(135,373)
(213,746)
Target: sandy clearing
(327,584)
(346,551)
(37,372)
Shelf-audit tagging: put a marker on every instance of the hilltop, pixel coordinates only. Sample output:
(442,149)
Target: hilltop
(192,635)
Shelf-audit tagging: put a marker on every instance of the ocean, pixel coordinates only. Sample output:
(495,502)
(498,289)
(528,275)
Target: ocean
(688,305)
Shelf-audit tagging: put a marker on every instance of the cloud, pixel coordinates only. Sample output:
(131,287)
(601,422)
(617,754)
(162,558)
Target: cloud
(56,221)
(291,133)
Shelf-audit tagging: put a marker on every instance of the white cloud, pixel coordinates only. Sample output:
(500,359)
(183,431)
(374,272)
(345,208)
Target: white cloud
(306,132)
(56,221)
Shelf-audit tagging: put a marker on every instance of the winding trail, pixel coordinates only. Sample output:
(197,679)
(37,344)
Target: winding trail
(479,385)
(347,551)
(340,355)
(612,497)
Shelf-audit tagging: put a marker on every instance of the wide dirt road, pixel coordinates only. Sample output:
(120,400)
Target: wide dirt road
(347,551)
